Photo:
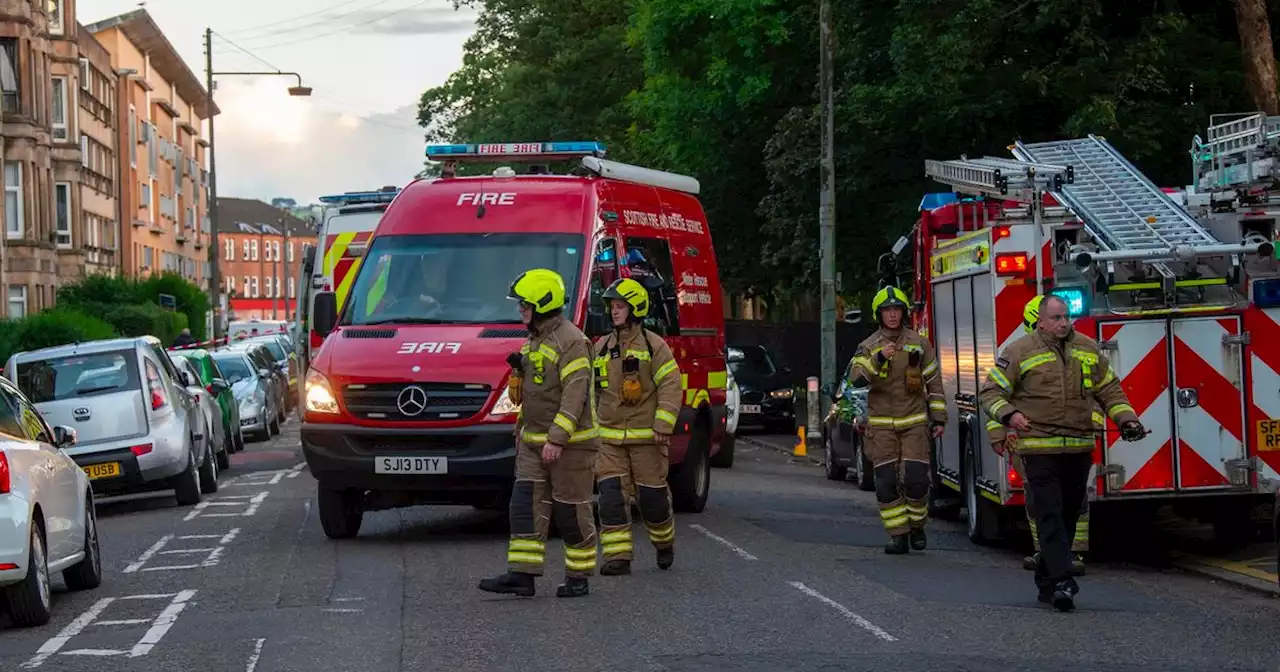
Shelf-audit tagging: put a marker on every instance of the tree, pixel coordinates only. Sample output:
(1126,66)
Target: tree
(1259,57)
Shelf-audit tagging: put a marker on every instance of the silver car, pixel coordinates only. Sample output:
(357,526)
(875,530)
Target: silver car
(254,392)
(213,432)
(138,428)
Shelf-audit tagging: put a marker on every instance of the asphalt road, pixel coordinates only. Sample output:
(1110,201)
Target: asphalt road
(783,571)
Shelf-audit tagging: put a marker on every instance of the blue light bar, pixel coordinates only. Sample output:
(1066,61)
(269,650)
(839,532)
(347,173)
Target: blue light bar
(1074,296)
(360,197)
(514,150)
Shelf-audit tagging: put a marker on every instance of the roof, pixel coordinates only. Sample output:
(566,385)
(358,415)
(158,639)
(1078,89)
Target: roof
(142,30)
(247,215)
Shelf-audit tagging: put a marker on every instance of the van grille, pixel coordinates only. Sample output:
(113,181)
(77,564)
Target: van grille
(444,401)
(368,333)
(752,397)
(504,333)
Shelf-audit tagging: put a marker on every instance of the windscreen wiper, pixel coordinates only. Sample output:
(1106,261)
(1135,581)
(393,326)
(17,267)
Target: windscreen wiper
(402,320)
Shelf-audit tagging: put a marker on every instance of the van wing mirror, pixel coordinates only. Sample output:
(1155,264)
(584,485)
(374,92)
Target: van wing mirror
(324,312)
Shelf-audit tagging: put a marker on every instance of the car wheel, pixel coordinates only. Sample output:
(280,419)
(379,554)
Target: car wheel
(31,601)
(274,430)
(866,471)
(834,473)
(209,471)
(341,512)
(224,455)
(187,484)
(87,574)
(691,485)
(239,439)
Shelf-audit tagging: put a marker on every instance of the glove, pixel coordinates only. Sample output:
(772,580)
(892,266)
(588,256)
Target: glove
(1133,431)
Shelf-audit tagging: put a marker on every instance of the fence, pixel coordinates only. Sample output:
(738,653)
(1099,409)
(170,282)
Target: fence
(797,344)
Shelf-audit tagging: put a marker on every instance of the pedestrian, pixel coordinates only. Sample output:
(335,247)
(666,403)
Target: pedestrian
(905,406)
(638,384)
(556,445)
(184,339)
(1044,388)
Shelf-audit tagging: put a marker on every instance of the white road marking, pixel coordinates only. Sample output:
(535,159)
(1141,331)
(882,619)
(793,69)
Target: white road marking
(348,599)
(297,469)
(731,546)
(257,654)
(159,626)
(844,611)
(124,621)
(213,554)
(55,643)
(146,555)
(162,624)
(252,504)
(343,611)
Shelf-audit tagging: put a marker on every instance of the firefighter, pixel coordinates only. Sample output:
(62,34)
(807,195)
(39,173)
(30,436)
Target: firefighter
(1044,387)
(557,442)
(904,406)
(638,384)
(1000,438)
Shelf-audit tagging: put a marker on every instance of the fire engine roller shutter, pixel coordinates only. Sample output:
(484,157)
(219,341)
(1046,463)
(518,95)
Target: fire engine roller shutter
(1141,361)
(1263,429)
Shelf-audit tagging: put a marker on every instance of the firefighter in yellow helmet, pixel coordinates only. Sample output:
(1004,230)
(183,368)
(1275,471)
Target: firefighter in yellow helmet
(905,406)
(556,445)
(1001,438)
(638,384)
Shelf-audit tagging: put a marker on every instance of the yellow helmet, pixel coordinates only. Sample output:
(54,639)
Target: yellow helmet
(541,287)
(889,297)
(632,292)
(1031,314)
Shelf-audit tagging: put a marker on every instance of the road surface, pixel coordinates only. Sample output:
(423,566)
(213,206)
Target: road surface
(783,571)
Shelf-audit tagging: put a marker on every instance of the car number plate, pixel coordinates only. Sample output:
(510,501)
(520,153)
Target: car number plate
(750,408)
(411,465)
(105,470)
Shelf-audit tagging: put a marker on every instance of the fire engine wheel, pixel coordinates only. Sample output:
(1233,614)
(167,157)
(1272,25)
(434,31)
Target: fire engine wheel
(340,512)
(982,516)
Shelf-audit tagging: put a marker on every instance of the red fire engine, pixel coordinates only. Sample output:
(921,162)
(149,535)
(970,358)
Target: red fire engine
(1182,308)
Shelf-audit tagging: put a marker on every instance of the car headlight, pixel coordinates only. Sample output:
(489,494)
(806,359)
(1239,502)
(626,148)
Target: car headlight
(504,405)
(319,396)
(782,394)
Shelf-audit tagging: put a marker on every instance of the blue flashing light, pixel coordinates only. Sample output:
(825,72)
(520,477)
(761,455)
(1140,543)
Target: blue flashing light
(1266,293)
(1074,296)
(514,150)
(360,197)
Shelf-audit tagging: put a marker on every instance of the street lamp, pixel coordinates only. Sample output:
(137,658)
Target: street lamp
(215,278)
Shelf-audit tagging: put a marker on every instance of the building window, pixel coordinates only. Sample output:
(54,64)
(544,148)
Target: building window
(55,17)
(245,293)
(144,197)
(230,248)
(291,294)
(230,283)
(60,129)
(253,282)
(9,83)
(85,78)
(244,244)
(291,252)
(13,211)
(148,257)
(253,250)
(154,148)
(17,302)
(133,137)
(62,212)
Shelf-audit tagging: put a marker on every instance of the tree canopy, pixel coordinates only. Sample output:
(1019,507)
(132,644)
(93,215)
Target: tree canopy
(726,91)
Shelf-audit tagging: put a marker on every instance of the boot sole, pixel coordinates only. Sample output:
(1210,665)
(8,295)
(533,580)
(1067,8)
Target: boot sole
(618,572)
(519,592)
(574,593)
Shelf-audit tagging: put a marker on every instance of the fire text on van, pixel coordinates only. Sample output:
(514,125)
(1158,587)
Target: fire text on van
(486,198)
(411,348)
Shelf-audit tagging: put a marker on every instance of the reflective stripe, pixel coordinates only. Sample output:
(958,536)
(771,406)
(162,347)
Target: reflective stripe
(717,380)
(912,347)
(1118,409)
(1036,360)
(548,352)
(664,416)
(623,435)
(563,422)
(938,406)
(996,405)
(616,542)
(898,423)
(917,513)
(931,369)
(580,559)
(1107,378)
(576,365)
(1056,442)
(866,362)
(997,376)
(894,517)
(638,354)
(662,534)
(576,437)
(665,370)
(992,426)
(526,552)
(1099,420)
(615,536)
(1087,360)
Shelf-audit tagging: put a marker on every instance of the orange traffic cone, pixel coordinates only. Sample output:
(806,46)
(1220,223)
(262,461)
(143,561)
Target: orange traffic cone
(800,450)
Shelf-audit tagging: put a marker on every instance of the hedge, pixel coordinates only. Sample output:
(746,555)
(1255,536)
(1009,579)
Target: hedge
(105,295)
(50,328)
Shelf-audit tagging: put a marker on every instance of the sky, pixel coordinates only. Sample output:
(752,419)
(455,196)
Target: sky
(367,61)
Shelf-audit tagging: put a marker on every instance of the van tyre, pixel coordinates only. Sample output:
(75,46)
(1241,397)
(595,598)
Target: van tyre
(87,574)
(209,471)
(30,602)
(341,513)
(691,481)
(186,486)
(724,458)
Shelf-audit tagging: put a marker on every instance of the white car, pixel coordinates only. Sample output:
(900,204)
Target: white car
(47,519)
(724,458)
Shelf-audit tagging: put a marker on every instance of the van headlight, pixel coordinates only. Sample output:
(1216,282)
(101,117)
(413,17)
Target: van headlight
(319,396)
(505,406)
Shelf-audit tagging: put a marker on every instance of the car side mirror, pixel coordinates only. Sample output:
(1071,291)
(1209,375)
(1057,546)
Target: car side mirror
(324,312)
(218,386)
(184,378)
(63,436)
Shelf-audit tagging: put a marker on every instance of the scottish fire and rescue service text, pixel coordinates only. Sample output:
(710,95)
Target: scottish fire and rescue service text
(673,221)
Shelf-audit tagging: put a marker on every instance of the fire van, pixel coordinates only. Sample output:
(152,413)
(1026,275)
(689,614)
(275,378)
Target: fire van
(406,400)
(1186,313)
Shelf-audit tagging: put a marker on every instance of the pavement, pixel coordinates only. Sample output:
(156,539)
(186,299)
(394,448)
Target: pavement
(784,570)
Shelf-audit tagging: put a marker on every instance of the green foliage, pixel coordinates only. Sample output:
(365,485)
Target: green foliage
(133,306)
(192,302)
(144,319)
(727,91)
(50,328)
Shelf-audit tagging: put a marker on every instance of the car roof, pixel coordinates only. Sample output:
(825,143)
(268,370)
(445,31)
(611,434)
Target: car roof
(88,348)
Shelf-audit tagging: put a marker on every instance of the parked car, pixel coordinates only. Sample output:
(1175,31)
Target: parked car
(766,396)
(213,434)
(285,361)
(724,458)
(216,384)
(264,361)
(47,519)
(135,420)
(842,443)
(252,389)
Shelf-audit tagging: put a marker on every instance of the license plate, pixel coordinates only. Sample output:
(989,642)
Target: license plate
(106,470)
(411,465)
(751,408)
(1269,435)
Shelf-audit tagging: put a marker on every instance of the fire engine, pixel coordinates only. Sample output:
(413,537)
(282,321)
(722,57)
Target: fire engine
(1186,310)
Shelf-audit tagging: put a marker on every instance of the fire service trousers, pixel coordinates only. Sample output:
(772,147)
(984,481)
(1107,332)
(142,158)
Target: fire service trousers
(561,489)
(645,465)
(1058,485)
(1080,540)
(900,464)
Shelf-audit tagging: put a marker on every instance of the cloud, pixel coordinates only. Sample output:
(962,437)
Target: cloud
(434,21)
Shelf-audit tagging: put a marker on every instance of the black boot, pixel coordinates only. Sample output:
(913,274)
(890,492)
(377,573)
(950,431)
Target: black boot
(511,583)
(1077,564)
(1030,562)
(573,587)
(616,568)
(1064,594)
(918,541)
(666,556)
(897,545)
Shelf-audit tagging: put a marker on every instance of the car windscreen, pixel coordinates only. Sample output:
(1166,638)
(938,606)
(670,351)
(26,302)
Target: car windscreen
(78,376)
(455,278)
(234,368)
(273,345)
(752,361)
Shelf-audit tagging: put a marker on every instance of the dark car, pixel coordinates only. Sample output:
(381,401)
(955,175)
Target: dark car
(841,441)
(766,396)
(211,379)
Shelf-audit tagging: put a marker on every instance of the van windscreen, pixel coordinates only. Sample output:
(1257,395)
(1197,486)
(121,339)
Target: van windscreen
(78,376)
(455,278)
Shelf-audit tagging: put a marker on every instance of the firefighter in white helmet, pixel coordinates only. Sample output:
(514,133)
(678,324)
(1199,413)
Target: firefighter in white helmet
(904,406)
(1045,386)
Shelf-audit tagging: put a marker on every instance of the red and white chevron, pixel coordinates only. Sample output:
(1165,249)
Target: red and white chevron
(1263,326)
(1142,364)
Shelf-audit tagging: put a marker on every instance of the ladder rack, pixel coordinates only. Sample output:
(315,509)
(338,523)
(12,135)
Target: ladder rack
(996,177)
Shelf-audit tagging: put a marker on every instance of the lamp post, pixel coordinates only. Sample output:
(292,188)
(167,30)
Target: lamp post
(215,278)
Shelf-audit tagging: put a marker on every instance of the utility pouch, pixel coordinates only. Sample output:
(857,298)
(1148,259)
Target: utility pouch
(515,382)
(915,379)
(632,391)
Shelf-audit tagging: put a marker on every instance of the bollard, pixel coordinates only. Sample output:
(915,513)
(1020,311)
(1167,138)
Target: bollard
(813,406)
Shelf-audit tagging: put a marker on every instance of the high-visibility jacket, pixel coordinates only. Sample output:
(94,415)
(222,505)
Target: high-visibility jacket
(905,391)
(556,397)
(1057,385)
(641,354)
